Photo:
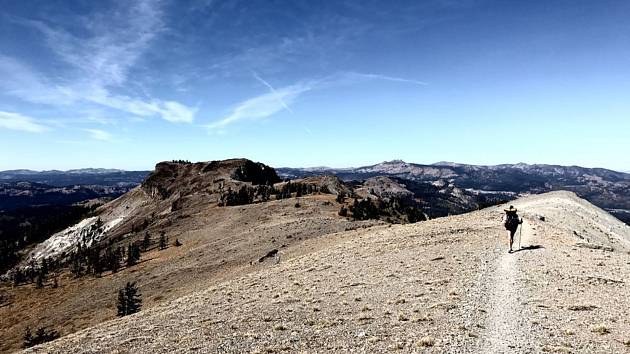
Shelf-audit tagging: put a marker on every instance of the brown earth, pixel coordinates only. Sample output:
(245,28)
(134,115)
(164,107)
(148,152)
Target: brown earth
(445,285)
(218,243)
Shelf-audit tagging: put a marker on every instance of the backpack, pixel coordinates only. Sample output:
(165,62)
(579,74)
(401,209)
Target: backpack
(511,221)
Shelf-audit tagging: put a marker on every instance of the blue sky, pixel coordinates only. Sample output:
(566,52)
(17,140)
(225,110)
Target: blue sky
(126,84)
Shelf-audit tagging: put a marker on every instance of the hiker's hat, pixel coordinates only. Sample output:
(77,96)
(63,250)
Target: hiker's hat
(511,209)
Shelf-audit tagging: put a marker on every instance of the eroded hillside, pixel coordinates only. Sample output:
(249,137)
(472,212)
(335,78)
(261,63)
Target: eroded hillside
(445,285)
(181,201)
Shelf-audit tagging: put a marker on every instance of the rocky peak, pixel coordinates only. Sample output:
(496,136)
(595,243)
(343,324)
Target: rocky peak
(185,177)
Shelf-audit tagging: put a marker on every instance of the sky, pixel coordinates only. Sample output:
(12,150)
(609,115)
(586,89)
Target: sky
(126,84)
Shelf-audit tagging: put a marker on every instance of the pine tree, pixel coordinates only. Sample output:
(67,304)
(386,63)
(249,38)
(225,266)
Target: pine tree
(40,281)
(129,301)
(112,259)
(133,254)
(77,266)
(162,240)
(122,303)
(44,268)
(146,241)
(133,298)
(27,338)
(18,277)
(40,334)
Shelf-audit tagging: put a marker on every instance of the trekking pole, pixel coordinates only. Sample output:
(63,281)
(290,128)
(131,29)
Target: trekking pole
(520,233)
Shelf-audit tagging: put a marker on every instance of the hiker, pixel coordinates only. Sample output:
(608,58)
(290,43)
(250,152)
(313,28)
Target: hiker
(511,222)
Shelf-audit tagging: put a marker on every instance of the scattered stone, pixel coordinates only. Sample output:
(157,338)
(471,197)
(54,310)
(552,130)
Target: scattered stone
(582,307)
(270,254)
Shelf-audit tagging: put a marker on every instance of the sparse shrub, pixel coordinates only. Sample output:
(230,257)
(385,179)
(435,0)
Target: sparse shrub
(177,243)
(41,336)
(601,329)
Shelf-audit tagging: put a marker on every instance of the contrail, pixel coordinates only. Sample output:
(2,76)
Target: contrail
(257,77)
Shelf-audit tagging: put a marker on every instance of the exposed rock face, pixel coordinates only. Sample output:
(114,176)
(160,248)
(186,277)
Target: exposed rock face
(386,188)
(256,173)
(185,178)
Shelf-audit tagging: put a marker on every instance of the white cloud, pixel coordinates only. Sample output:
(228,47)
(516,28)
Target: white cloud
(16,121)
(366,76)
(268,85)
(102,61)
(20,81)
(98,134)
(276,100)
(263,106)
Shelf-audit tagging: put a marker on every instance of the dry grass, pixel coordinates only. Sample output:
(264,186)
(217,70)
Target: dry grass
(600,329)
(279,327)
(427,341)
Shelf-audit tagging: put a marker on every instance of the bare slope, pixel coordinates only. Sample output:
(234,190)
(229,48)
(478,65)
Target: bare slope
(446,285)
(218,243)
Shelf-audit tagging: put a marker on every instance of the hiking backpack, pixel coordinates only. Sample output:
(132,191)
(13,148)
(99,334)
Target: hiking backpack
(511,221)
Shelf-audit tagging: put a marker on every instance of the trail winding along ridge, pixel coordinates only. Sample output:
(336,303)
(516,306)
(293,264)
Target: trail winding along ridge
(447,285)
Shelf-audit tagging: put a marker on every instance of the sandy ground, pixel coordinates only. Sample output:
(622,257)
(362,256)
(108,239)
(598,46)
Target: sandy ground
(443,286)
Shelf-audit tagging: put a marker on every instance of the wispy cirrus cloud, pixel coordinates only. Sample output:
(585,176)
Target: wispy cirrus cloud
(263,106)
(355,76)
(21,81)
(16,121)
(276,100)
(101,60)
(98,134)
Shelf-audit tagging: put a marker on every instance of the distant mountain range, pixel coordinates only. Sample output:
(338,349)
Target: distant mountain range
(26,188)
(605,188)
(85,176)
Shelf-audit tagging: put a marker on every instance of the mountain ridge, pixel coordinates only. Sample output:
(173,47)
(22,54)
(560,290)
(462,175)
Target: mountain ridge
(605,188)
(445,285)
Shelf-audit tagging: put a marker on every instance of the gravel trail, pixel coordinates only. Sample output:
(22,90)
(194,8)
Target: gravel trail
(507,331)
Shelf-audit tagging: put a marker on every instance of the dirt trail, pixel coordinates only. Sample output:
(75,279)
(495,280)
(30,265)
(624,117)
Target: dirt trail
(506,329)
